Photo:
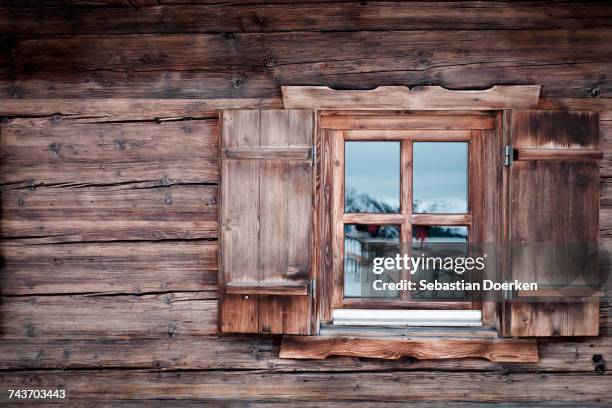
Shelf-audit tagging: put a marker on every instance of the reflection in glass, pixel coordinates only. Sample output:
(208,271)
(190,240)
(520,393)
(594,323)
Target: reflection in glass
(363,243)
(372,177)
(440,174)
(443,242)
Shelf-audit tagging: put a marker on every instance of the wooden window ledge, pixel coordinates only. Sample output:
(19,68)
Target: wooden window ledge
(421,344)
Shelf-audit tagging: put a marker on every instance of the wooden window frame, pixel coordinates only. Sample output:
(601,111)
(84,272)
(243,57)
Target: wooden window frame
(336,127)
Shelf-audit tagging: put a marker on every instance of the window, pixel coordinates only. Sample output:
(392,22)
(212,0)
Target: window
(402,192)
(294,239)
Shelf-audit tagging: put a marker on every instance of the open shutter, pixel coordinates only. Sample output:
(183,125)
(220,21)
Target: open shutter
(266,221)
(553,183)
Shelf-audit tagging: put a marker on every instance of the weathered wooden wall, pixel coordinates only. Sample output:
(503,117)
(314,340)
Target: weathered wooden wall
(109,206)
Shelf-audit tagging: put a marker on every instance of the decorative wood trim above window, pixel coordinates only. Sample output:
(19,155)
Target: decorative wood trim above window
(416,98)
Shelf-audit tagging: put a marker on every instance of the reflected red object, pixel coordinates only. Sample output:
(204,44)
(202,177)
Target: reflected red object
(373,230)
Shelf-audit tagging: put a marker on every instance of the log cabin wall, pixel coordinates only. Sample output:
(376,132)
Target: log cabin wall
(109,139)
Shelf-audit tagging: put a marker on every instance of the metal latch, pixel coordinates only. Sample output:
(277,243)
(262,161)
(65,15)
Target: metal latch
(508,153)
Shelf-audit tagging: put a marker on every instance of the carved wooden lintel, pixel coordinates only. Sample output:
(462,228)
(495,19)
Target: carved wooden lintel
(417,98)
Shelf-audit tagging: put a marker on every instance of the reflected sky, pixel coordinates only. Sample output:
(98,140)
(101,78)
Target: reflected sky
(372,169)
(440,177)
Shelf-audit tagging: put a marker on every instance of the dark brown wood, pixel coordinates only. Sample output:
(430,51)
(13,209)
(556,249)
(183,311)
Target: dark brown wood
(293,288)
(121,212)
(112,267)
(244,17)
(232,51)
(51,151)
(319,347)
(563,196)
(558,154)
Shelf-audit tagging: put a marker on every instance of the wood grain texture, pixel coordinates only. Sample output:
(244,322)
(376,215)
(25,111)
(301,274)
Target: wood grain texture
(320,347)
(258,352)
(315,387)
(267,222)
(416,98)
(407,122)
(558,154)
(224,53)
(293,288)
(563,195)
(129,268)
(244,17)
(49,151)
(77,214)
(97,317)
(89,110)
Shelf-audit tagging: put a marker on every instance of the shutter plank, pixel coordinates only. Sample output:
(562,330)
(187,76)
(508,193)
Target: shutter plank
(239,222)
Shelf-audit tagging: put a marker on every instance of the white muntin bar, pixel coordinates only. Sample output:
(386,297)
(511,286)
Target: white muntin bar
(385,317)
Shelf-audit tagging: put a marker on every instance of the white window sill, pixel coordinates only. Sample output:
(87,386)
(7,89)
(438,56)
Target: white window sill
(385,317)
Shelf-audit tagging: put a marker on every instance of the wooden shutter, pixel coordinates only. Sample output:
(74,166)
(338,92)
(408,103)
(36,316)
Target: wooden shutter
(553,191)
(266,221)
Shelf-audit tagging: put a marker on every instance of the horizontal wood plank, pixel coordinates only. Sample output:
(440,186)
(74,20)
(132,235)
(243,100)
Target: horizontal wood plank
(131,268)
(73,214)
(315,387)
(416,98)
(262,352)
(284,288)
(90,110)
(243,17)
(49,151)
(319,347)
(98,317)
(70,67)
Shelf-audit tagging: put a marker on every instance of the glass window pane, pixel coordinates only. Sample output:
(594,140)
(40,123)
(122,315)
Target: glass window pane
(439,243)
(372,177)
(440,175)
(363,243)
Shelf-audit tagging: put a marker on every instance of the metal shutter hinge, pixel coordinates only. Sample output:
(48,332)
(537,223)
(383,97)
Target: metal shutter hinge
(313,288)
(508,153)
